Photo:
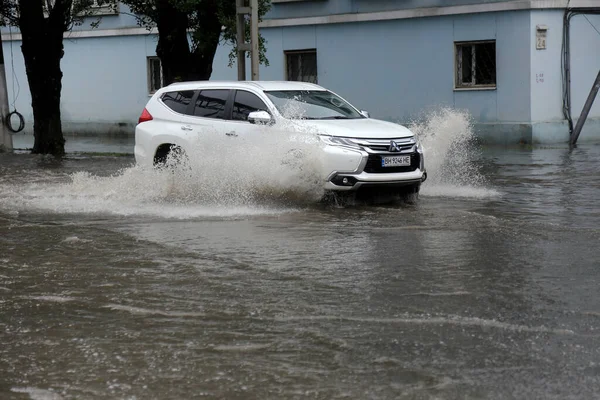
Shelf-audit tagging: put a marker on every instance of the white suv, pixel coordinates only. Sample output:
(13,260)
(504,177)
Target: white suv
(360,152)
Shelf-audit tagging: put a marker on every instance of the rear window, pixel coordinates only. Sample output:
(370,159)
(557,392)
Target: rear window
(178,101)
(211,103)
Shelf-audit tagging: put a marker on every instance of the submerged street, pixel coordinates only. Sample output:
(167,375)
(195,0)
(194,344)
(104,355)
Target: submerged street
(116,284)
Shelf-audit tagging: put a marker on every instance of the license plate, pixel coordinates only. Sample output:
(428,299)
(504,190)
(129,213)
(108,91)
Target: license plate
(395,161)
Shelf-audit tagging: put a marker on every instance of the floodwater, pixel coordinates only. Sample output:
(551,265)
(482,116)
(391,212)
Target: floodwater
(117,283)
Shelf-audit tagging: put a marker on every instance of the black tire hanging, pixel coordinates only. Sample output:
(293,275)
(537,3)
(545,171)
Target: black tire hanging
(8,122)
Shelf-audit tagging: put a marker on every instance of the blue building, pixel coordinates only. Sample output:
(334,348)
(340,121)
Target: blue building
(503,61)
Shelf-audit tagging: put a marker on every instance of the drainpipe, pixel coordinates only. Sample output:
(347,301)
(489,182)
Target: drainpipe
(5,136)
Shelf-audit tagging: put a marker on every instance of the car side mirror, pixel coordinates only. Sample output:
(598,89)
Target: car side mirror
(260,117)
(365,113)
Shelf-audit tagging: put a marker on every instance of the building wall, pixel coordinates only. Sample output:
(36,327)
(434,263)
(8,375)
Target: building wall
(105,82)
(398,69)
(585,61)
(124,18)
(546,71)
(548,122)
(297,9)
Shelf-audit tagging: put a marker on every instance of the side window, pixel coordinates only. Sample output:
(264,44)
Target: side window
(211,103)
(245,103)
(178,101)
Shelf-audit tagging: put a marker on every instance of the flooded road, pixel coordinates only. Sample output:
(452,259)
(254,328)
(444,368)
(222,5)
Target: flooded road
(115,284)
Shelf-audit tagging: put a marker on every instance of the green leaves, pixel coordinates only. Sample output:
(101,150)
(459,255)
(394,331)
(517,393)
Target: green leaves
(148,15)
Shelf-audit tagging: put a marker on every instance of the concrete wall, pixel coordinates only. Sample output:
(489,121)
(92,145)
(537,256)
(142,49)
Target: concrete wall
(398,69)
(329,7)
(548,121)
(585,61)
(105,82)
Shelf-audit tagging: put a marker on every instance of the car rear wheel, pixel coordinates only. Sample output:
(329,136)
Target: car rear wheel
(170,156)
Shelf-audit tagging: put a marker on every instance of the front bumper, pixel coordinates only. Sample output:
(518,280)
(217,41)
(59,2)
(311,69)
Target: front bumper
(353,169)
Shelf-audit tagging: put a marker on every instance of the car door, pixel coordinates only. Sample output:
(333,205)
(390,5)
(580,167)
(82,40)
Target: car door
(172,126)
(208,113)
(242,103)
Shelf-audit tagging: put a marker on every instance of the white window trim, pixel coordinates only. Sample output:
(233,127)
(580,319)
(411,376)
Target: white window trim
(149,74)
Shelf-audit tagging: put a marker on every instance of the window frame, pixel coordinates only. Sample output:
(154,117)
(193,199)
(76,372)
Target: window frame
(149,60)
(229,103)
(189,107)
(288,53)
(109,7)
(458,85)
(226,111)
(266,103)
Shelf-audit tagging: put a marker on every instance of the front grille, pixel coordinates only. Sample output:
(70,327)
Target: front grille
(374,164)
(405,145)
(385,147)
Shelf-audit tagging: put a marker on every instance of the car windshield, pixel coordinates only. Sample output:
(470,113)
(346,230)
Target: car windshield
(312,104)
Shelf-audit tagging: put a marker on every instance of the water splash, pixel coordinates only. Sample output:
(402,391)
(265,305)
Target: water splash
(267,172)
(448,138)
(262,168)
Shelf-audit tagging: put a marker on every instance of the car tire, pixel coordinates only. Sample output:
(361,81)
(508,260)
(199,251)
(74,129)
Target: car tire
(171,158)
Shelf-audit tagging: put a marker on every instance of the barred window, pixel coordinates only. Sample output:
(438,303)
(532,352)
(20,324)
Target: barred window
(475,65)
(302,66)
(155,78)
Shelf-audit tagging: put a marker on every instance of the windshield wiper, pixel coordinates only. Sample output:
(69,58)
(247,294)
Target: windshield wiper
(337,117)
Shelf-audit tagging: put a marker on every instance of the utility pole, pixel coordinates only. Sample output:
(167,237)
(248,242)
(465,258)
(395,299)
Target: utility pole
(243,10)
(5,136)
(586,110)
(254,39)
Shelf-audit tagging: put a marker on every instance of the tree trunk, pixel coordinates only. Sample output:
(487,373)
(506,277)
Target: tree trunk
(173,47)
(42,50)
(178,62)
(203,56)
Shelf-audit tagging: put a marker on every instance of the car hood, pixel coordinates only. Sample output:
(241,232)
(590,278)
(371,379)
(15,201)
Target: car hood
(366,128)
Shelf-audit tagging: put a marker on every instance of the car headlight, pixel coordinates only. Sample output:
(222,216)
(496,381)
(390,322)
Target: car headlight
(339,141)
(419,145)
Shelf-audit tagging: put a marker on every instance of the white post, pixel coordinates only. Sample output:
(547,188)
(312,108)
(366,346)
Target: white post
(5,136)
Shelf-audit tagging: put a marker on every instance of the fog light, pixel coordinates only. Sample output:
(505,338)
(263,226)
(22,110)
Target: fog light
(344,180)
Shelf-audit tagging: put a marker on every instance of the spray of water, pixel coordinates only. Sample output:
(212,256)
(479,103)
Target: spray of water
(267,171)
(260,168)
(448,138)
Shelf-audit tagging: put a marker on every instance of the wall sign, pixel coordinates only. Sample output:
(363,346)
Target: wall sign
(540,37)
